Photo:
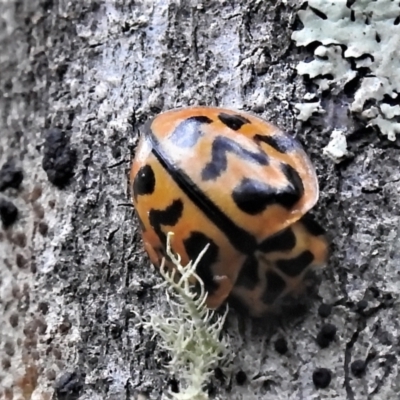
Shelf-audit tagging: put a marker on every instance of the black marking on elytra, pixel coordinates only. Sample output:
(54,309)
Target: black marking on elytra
(281,241)
(312,226)
(193,246)
(295,266)
(189,131)
(253,196)
(234,122)
(144,182)
(275,286)
(242,240)
(282,143)
(219,162)
(248,274)
(293,192)
(167,217)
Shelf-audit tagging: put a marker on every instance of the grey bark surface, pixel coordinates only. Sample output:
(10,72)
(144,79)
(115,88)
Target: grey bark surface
(73,274)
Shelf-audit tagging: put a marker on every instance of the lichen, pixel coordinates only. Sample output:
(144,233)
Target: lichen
(337,147)
(191,333)
(353,35)
(306,110)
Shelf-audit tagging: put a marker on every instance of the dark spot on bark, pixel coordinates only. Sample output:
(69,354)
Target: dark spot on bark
(43,307)
(324,310)
(14,319)
(38,210)
(11,176)
(43,228)
(69,386)
(21,261)
(6,364)
(358,368)
(9,348)
(326,335)
(61,70)
(59,159)
(8,212)
(241,378)
(64,327)
(20,239)
(219,374)
(281,346)
(361,306)
(322,378)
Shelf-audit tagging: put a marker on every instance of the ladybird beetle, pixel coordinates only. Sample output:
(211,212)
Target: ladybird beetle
(233,181)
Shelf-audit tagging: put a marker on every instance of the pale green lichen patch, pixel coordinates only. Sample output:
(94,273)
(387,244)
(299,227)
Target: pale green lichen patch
(367,33)
(322,66)
(337,146)
(191,333)
(306,110)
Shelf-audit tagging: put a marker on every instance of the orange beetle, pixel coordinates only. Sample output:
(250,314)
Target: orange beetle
(233,181)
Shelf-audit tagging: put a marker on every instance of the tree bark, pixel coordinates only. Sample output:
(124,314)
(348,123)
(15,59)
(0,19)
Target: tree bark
(77,81)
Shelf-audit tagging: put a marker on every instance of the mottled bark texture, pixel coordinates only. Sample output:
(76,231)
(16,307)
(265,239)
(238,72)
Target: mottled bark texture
(77,81)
